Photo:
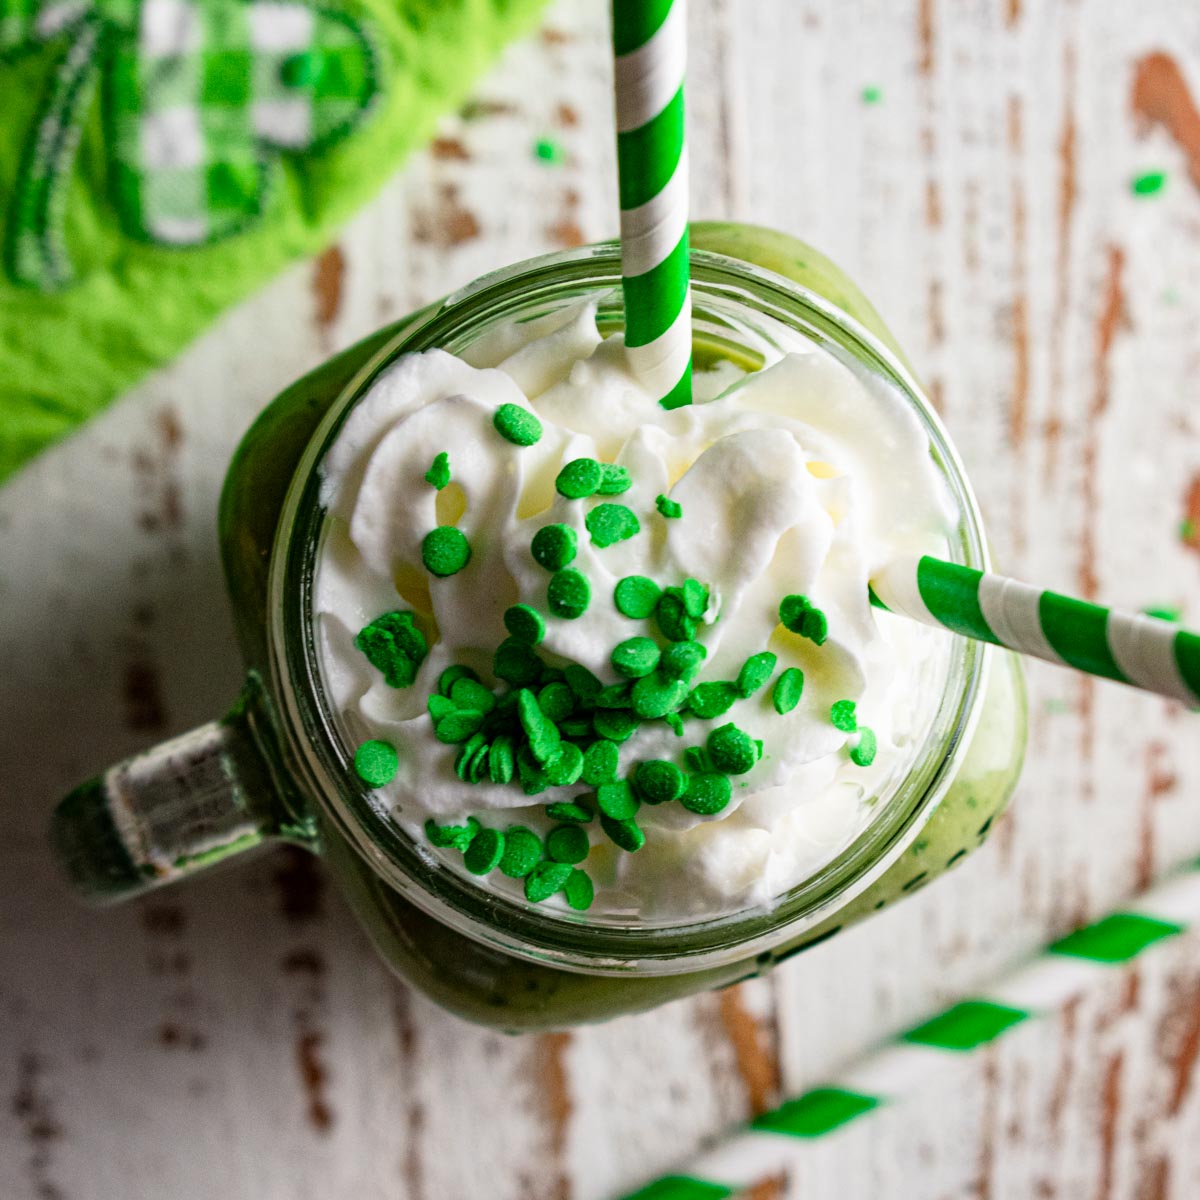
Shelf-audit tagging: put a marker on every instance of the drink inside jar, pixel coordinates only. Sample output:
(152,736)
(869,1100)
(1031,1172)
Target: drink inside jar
(757,515)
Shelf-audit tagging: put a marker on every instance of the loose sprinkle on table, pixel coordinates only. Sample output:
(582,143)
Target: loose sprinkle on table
(611,523)
(445,551)
(669,508)
(438,475)
(517,425)
(376,762)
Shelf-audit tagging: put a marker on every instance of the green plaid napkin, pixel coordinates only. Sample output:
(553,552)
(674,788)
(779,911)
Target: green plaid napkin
(159,159)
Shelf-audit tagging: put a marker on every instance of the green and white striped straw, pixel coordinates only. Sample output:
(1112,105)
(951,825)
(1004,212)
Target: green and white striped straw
(1148,652)
(650,49)
(783,1139)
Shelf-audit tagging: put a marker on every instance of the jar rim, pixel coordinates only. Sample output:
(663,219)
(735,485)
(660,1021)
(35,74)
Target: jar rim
(567,940)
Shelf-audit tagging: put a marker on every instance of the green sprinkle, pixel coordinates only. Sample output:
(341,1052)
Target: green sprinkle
(611,523)
(501,761)
(617,800)
(579,890)
(712,699)
(468,693)
(438,475)
(567,844)
(545,879)
(530,772)
(655,696)
(669,508)
(445,551)
(1148,184)
(565,767)
(554,546)
(672,617)
(707,793)
(615,724)
(522,852)
(682,660)
(583,683)
(525,624)
(439,706)
(636,596)
(801,616)
(452,837)
(458,726)
(466,756)
(696,758)
(863,754)
(695,598)
(788,689)
(614,480)
(842,716)
(516,663)
(626,834)
(394,646)
(732,750)
(477,768)
(579,478)
(485,852)
(1164,614)
(676,723)
(872,94)
(543,735)
(601,761)
(1187,529)
(376,762)
(570,810)
(547,150)
(635,657)
(659,781)
(552,675)
(448,678)
(616,695)
(579,726)
(517,425)
(756,670)
(557,701)
(568,594)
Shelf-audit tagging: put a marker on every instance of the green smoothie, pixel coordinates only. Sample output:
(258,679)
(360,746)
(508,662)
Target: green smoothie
(475,975)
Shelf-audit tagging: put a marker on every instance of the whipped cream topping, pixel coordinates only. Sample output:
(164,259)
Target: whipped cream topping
(804,476)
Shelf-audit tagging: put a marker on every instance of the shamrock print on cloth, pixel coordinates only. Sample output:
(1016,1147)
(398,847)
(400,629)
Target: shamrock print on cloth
(196,95)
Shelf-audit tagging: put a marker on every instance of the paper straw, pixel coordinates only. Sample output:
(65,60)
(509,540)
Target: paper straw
(650,49)
(1145,651)
(780,1140)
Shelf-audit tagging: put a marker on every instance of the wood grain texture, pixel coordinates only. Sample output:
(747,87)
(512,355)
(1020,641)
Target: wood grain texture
(237,1038)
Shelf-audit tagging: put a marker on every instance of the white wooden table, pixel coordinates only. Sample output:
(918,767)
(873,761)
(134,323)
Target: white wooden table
(238,1039)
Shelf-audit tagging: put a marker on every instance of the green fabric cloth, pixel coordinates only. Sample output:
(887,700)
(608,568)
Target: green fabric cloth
(160,159)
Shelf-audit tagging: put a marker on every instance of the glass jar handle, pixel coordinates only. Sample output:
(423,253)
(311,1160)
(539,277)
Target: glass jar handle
(180,807)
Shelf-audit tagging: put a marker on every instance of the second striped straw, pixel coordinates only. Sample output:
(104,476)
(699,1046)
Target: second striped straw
(650,49)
